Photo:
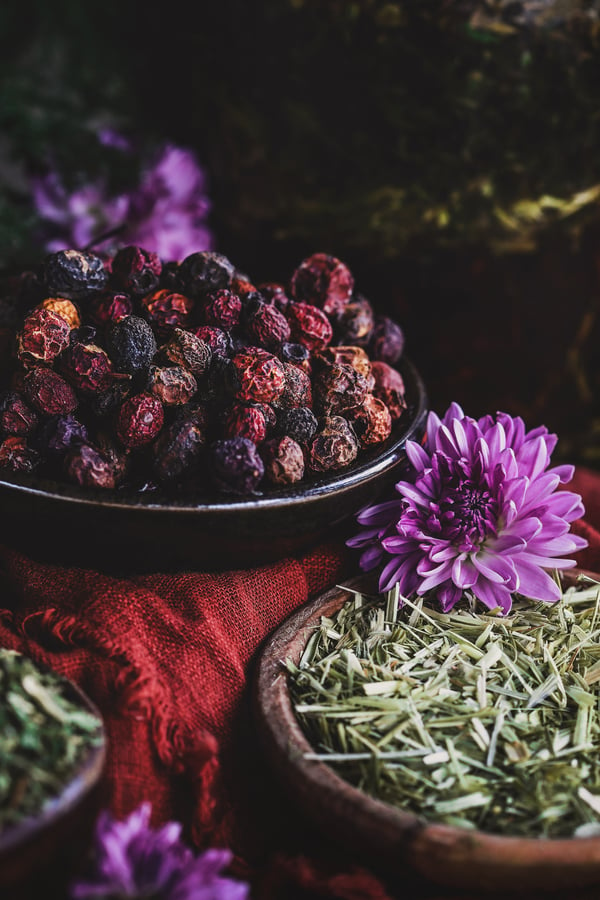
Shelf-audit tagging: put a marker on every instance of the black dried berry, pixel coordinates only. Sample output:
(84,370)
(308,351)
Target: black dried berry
(178,448)
(299,424)
(74,274)
(131,344)
(236,466)
(204,272)
(136,271)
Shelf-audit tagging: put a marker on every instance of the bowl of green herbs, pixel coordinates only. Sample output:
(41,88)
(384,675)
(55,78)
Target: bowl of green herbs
(52,754)
(462,745)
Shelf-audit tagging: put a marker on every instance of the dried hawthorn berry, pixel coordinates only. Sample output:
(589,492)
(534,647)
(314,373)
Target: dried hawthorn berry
(386,343)
(87,367)
(274,293)
(297,390)
(268,326)
(309,326)
(179,447)
(236,466)
(247,422)
(87,466)
(261,375)
(297,354)
(173,385)
(324,281)
(109,401)
(372,421)
(17,456)
(135,271)
(334,445)
(204,272)
(43,337)
(223,309)
(74,274)
(355,357)
(217,339)
(109,307)
(299,423)
(139,420)
(283,460)
(189,351)
(16,416)
(48,392)
(64,308)
(166,310)
(114,454)
(389,387)
(131,344)
(355,324)
(60,433)
(241,285)
(339,388)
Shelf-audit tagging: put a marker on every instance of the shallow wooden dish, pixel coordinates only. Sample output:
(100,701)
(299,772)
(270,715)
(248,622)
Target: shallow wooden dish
(380,833)
(39,853)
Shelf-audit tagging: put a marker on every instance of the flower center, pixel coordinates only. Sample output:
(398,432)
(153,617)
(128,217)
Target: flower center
(466,512)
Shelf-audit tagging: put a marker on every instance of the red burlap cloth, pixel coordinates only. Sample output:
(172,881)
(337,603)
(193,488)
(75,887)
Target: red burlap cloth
(168,660)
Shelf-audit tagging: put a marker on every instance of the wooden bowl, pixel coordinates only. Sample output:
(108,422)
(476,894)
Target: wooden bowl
(39,853)
(378,832)
(127,533)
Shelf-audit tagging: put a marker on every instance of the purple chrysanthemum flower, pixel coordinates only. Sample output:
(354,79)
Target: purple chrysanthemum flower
(166,212)
(480,514)
(133,860)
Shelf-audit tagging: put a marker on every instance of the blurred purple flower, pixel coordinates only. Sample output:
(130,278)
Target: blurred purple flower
(133,860)
(480,513)
(165,212)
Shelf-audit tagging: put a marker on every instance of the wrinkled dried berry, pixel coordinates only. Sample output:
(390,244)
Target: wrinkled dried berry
(236,466)
(109,307)
(166,310)
(372,421)
(131,344)
(44,335)
(217,339)
(17,456)
(114,454)
(139,420)
(355,324)
(64,308)
(297,390)
(16,416)
(274,293)
(309,326)
(179,447)
(339,388)
(173,385)
(223,309)
(387,341)
(204,272)
(48,392)
(389,387)
(87,367)
(299,423)
(60,433)
(283,460)
(297,354)
(246,421)
(261,375)
(268,326)
(324,281)
(334,446)
(355,357)
(135,271)
(87,466)
(189,351)
(74,274)
(241,285)
(109,401)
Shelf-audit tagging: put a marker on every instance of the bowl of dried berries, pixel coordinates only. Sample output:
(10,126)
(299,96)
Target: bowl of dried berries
(177,406)
(52,754)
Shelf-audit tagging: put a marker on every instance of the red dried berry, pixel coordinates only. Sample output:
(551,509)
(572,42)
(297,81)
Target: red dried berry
(110,307)
(173,385)
(17,456)
(166,310)
(217,339)
(189,351)
(44,335)
(339,388)
(139,420)
(136,271)
(389,387)
(246,421)
(372,422)
(16,417)
(48,392)
(268,326)
(87,367)
(283,460)
(309,326)
(87,467)
(334,446)
(241,285)
(261,376)
(223,309)
(324,281)
(64,308)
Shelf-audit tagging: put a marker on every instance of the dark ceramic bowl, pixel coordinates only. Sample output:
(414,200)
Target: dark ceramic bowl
(380,834)
(127,532)
(39,853)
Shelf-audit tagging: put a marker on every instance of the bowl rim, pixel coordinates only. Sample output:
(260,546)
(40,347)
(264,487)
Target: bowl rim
(394,837)
(375,461)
